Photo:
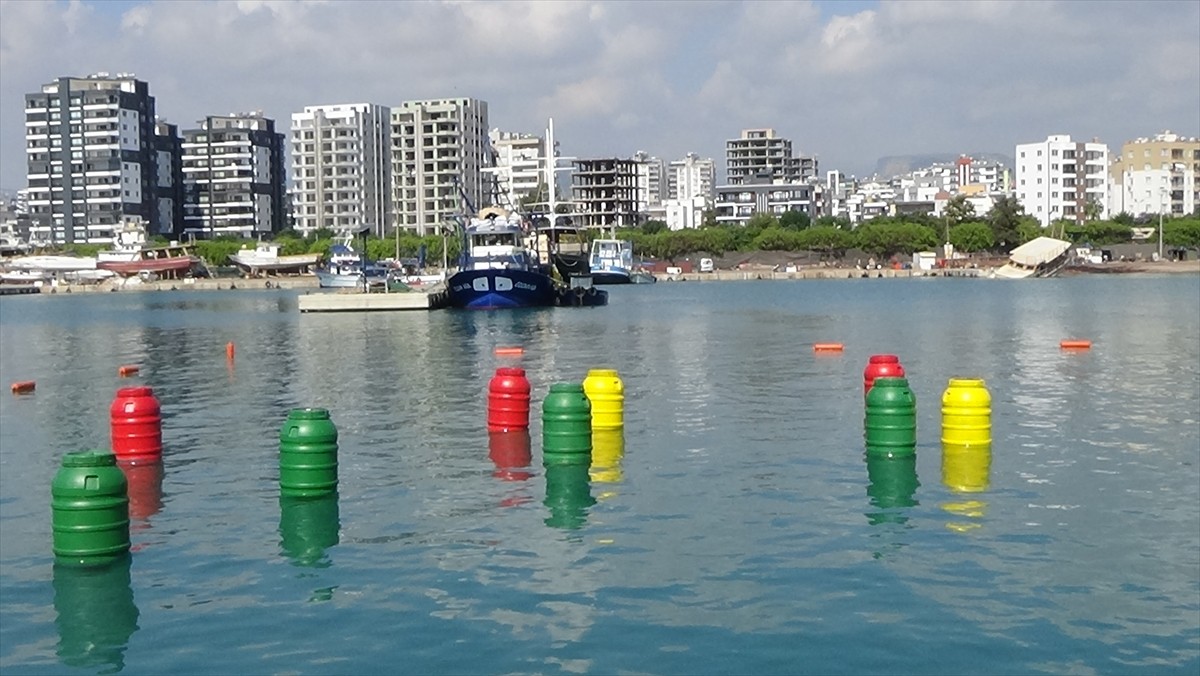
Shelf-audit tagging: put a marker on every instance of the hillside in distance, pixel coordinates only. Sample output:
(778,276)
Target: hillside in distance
(894,165)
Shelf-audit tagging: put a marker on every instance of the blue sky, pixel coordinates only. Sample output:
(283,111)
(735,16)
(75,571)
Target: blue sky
(848,82)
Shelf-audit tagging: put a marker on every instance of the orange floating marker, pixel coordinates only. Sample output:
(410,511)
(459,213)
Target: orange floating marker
(1075,344)
(128,370)
(828,347)
(23,387)
(229,350)
(509,351)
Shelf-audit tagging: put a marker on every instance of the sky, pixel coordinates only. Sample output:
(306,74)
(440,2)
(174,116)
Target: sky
(847,81)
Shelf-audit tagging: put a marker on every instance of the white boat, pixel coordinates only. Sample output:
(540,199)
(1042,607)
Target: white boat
(52,263)
(265,257)
(1041,257)
(10,242)
(611,261)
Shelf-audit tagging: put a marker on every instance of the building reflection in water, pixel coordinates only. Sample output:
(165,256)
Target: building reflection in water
(96,614)
(307,527)
(965,472)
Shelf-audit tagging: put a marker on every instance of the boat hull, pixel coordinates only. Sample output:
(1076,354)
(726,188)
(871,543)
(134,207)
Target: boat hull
(500,288)
(176,264)
(297,263)
(610,276)
(571,265)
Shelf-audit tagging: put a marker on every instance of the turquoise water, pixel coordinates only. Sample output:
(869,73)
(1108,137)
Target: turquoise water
(742,531)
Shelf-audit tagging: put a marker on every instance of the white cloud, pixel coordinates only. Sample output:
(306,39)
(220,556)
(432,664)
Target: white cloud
(849,82)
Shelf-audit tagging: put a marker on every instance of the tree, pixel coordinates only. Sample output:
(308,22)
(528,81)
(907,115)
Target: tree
(761,221)
(972,237)
(1028,229)
(1004,218)
(1093,209)
(653,226)
(841,222)
(826,240)
(795,220)
(1124,218)
(958,210)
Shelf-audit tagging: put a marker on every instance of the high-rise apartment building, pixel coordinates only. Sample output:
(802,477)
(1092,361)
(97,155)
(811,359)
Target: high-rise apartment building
(1156,175)
(760,155)
(691,177)
(91,159)
(606,194)
(651,181)
(517,159)
(169,190)
(341,168)
(1060,178)
(440,150)
(233,177)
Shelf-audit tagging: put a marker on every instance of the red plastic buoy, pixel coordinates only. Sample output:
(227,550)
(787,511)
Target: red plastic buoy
(508,400)
(510,451)
(509,351)
(1075,344)
(136,426)
(881,366)
(24,387)
(229,350)
(128,370)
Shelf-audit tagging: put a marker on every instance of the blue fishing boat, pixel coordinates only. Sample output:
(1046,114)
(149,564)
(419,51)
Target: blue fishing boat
(496,269)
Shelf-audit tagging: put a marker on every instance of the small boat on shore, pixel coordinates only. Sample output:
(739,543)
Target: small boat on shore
(265,258)
(131,256)
(1040,257)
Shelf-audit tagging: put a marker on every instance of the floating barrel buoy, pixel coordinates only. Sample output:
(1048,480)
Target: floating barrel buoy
(828,347)
(509,351)
(1075,344)
(23,387)
(606,393)
(881,366)
(508,400)
(89,509)
(136,426)
(128,370)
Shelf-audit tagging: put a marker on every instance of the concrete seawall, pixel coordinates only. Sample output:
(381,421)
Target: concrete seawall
(817,273)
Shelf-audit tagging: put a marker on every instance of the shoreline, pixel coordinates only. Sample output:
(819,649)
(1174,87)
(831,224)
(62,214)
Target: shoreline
(754,273)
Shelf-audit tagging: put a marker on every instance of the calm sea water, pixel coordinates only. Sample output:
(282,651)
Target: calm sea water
(741,531)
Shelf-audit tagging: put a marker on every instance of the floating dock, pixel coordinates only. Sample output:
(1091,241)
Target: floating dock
(432,299)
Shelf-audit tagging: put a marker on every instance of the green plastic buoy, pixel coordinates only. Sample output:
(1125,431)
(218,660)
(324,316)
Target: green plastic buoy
(891,419)
(566,425)
(308,454)
(90,509)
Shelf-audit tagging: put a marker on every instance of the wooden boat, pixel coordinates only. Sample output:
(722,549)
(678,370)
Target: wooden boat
(265,257)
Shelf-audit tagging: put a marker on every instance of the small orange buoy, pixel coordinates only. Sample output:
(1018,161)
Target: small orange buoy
(128,370)
(1075,344)
(229,350)
(509,351)
(23,387)
(827,347)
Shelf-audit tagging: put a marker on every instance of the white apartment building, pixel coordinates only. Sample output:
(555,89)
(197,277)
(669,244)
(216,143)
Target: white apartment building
(341,168)
(517,159)
(1059,178)
(91,163)
(691,177)
(441,154)
(233,177)
(1156,175)
(651,179)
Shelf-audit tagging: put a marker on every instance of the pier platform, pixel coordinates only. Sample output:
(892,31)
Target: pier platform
(431,299)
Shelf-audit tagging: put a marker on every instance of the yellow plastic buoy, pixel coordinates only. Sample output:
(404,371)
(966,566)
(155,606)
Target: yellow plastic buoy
(128,370)
(1075,344)
(966,413)
(606,393)
(828,347)
(23,387)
